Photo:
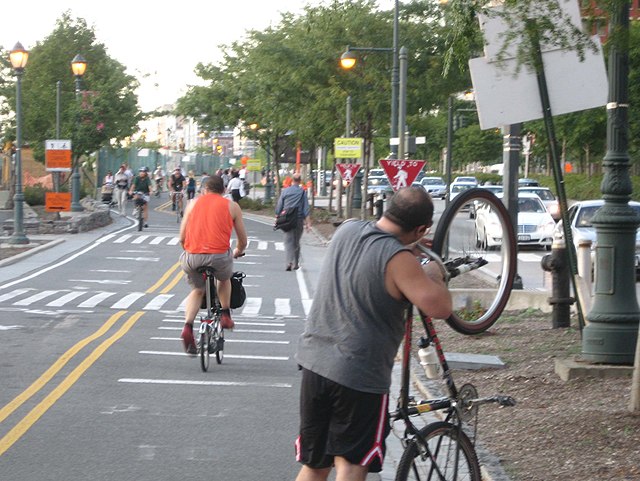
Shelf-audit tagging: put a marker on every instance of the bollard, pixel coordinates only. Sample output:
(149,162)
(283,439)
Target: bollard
(560,299)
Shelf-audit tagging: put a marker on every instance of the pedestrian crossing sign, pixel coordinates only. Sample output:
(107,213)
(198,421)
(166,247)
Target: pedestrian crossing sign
(401,173)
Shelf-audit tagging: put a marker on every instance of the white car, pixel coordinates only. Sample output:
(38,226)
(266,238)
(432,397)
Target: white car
(548,199)
(535,224)
(435,186)
(580,215)
(458,187)
(469,178)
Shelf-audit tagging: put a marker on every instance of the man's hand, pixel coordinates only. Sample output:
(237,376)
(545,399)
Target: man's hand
(237,253)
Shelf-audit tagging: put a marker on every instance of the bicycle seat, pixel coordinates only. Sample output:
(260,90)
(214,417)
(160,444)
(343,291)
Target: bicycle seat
(207,270)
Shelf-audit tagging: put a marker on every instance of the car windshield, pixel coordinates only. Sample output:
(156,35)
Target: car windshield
(585,216)
(460,188)
(432,182)
(543,194)
(530,205)
(379,181)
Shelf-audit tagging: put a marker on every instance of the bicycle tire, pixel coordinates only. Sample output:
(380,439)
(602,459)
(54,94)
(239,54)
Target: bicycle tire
(204,349)
(447,444)
(140,218)
(219,339)
(479,296)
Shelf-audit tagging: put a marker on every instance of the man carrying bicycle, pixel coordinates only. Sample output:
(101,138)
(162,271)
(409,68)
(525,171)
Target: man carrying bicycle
(371,274)
(205,235)
(177,184)
(142,183)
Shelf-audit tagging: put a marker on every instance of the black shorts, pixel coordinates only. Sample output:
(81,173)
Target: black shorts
(338,421)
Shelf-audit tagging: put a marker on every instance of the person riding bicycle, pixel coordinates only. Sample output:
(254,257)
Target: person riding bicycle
(142,183)
(158,177)
(371,274)
(177,183)
(205,235)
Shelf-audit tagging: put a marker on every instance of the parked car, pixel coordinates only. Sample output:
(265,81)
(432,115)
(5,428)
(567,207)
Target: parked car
(457,187)
(580,216)
(466,179)
(376,172)
(435,186)
(528,183)
(535,224)
(496,189)
(379,185)
(548,199)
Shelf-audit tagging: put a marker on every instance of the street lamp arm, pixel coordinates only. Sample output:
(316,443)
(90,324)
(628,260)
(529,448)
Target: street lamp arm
(369,49)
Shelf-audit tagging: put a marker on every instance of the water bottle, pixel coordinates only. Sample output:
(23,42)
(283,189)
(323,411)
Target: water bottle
(428,359)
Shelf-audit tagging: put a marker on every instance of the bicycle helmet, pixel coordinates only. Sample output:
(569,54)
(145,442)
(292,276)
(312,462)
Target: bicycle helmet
(143,169)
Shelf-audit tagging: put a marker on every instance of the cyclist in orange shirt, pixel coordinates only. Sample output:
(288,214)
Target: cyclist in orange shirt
(205,235)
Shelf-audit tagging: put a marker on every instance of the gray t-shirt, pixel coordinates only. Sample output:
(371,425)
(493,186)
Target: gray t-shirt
(354,326)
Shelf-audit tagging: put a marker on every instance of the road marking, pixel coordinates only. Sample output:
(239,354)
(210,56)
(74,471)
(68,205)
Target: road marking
(37,412)
(15,293)
(36,297)
(252,306)
(238,341)
(140,239)
(137,259)
(122,239)
(114,271)
(61,301)
(101,281)
(127,300)
(174,241)
(204,383)
(157,302)
(283,307)
(230,356)
(93,301)
(158,239)
(164,277)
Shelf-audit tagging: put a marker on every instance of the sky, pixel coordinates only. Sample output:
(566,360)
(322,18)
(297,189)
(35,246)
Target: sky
(161,41)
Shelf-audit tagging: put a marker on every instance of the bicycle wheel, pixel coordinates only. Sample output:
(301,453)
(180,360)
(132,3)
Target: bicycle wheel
(218,335)
(204,348)
(140,218)
(450,457)
(480,295)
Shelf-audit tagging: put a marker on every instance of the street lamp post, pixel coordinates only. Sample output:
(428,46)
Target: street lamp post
(18,57)
(78,67)
(610,336)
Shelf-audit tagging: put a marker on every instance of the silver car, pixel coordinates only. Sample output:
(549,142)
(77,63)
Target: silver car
(580,216)
(435,186)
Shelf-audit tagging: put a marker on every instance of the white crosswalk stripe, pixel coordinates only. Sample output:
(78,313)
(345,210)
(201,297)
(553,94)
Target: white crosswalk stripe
(88,299)
(171,240)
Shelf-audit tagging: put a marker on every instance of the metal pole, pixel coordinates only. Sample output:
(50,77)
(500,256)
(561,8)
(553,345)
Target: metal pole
(612,332)
(511,159)
(402,104)
(395,81)
(449,145)
(75,176)
(347,129)
(268,188)
(56,175)
(18,236)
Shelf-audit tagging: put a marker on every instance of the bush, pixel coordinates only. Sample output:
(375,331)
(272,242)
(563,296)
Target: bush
(247,203)
(34,195)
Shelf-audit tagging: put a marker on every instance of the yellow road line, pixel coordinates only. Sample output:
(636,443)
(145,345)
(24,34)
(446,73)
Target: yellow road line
(56,367)
(173,282)
(37,412)
(164,277)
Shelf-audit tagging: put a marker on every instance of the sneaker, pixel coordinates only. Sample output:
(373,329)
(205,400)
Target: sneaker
(146,225)
(225,319)
(187,339)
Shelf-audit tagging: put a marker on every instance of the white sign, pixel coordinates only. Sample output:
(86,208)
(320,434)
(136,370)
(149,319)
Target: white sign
(505,96)
(57,144)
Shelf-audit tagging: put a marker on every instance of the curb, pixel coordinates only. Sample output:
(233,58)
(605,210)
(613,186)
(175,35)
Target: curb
(18,257)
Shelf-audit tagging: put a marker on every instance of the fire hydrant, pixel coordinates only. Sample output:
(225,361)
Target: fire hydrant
(560,299)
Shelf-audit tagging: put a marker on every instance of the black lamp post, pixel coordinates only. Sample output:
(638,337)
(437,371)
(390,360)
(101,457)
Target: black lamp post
(611,334)
(78,67)
(18,57)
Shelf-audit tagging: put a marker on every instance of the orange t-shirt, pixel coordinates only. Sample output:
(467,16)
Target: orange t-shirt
(210,226)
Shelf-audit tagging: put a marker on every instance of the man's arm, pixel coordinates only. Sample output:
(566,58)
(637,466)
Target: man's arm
(238,226)
(423,286)
(185,222)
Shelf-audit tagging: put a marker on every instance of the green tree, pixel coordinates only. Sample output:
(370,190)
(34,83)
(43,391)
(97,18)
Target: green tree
(104,110)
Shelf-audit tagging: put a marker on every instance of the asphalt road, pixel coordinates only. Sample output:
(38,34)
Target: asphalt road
(95,384)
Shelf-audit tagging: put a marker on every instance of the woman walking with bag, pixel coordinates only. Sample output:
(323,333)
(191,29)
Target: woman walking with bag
(294,197)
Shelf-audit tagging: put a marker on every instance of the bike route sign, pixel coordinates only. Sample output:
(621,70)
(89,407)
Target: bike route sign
(348,172)
(401,173)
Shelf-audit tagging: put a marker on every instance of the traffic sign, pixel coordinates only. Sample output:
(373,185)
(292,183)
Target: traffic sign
(348,171)
(57,155)
(347,148)
(57,201)
(401,173)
